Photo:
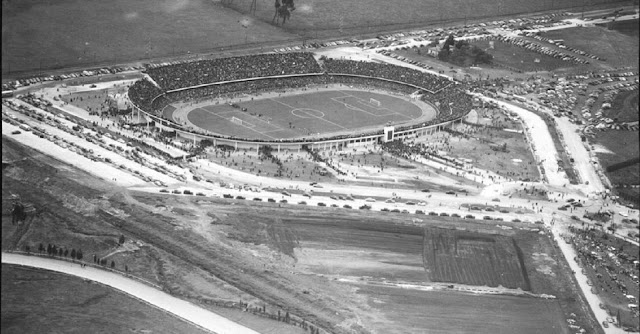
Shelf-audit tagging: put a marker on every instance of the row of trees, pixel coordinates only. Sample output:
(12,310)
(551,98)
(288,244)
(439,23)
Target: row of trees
(53,250)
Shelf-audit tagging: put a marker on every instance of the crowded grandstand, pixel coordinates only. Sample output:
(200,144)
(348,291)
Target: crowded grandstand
(255,74)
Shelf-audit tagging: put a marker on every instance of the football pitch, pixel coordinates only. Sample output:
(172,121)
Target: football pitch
(308,114)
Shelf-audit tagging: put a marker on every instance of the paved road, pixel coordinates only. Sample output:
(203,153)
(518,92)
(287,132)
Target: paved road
(180,308)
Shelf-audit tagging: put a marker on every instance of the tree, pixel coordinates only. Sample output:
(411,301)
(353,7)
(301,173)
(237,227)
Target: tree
(444,54)
(79,254)
(49,249)
(27,248)
(73,253)
(121,240)
(449,42)
(41,248)
(126,268)
(113,264)
(66,252)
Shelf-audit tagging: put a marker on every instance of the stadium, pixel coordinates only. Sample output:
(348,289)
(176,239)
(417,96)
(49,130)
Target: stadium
(327,103)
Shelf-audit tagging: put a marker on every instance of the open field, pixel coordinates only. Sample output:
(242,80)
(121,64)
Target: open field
(42,34)
(38,301)
(619,50)
(473,259)
(305,114)
(453,312)
(621,145)
(39,34)
(628,27)
(624,107)
(332,17)
(223,251)
(512,56)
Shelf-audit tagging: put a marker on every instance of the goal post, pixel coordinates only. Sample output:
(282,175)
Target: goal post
(374,102)
(236,120)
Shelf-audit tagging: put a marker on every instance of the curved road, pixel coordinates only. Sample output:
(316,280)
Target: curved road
(185,310)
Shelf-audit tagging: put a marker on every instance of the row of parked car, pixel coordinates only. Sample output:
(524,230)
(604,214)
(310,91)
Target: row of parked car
(345,206)
(30,81)
(94,137)
(313,45)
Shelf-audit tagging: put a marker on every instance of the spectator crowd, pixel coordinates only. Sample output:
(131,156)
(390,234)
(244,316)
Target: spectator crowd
(258,74)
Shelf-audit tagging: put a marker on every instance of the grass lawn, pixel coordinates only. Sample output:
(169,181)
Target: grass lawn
(520,58)
(624,107)
(624,145)
(334,16)
(50,34)
(39,301)
(305,114)
(620,50)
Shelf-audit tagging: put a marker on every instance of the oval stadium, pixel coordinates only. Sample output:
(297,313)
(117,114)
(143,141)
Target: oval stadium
(295,99)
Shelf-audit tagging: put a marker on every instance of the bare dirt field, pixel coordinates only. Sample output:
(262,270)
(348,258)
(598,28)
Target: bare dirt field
(474,259)
(38,301)
(219,252)
(453,312)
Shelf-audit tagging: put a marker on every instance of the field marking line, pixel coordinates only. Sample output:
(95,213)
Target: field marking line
(322,119)
(259,120)
(228,120)
(364,102)
(359,100)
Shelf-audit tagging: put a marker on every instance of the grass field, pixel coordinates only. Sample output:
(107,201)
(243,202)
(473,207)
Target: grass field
(623,145)
(619,50)
(39,301)
(49,34)
(38,34)
(306,114)
(521,58)
(624,107)
(326,16)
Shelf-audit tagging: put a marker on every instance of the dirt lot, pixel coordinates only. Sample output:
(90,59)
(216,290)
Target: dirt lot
(282,257)
(517,162)
(38,301)
(474,259)
(416,308)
